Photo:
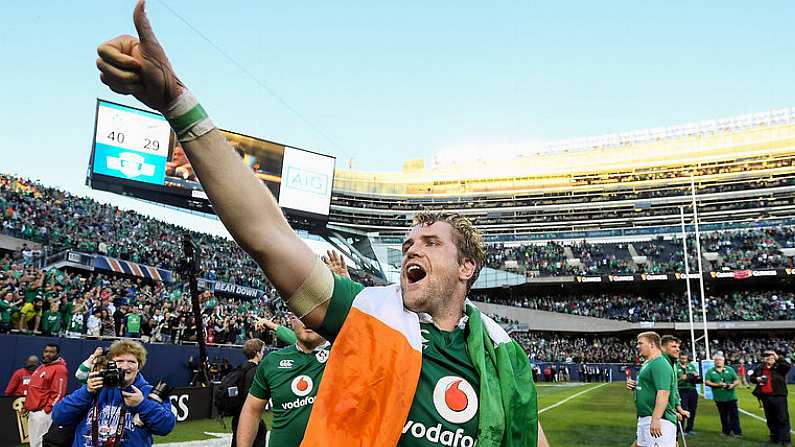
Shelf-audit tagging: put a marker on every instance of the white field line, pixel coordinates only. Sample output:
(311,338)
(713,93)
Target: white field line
(557,404)
(560,385)
(219,440)
(748,413)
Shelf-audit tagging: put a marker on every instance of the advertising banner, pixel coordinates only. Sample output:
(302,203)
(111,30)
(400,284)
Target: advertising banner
(706,365)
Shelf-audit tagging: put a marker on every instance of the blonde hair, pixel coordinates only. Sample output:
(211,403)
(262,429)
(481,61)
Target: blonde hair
(651,337)
(120,347)
(468,239)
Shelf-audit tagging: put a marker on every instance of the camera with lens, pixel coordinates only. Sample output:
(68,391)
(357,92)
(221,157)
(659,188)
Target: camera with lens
(112,376)
(693,379)
(762,380)
(160,392)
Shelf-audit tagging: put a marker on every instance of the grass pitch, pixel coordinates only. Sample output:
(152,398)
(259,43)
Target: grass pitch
(599,415)
(592,415)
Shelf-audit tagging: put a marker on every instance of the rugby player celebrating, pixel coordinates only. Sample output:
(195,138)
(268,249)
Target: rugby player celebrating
(290,378)
(412,364)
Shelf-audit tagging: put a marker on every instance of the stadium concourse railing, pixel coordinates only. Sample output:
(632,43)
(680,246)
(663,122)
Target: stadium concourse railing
(91,262)
(540,320)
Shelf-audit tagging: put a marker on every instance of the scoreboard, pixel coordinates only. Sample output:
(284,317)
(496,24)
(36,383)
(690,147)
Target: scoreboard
(130,143)
(135,153)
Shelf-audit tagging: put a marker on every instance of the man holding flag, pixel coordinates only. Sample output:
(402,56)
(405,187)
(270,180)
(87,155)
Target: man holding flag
(413,364)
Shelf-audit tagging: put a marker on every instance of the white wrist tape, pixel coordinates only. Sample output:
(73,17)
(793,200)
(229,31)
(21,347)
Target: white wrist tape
(188,118)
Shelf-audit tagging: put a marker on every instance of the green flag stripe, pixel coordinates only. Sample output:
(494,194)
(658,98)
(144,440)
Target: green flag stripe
(508,405)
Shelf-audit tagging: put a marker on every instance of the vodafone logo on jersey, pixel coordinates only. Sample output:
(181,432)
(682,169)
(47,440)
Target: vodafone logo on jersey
(455,399)
(302,385)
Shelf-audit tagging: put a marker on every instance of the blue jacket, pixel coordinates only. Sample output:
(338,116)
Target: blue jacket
(78,409)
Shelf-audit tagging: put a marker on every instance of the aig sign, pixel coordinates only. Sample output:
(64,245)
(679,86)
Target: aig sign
(308,181)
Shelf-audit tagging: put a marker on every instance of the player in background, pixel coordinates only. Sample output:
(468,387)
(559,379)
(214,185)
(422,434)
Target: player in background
(443,255)
(656,425)
(687,378)
(277,377)
(336,264)
(670,348)
(289,378)
(723,380)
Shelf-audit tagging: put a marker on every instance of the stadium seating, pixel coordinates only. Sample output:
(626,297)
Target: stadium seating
(59,221)
(546,347)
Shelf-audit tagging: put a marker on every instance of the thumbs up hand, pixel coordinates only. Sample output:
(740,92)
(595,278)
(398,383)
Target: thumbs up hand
(139,66)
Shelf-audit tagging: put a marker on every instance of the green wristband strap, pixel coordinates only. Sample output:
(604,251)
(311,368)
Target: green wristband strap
(188,118)
(183,123)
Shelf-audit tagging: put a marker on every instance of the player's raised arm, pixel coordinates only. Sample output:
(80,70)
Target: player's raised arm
(139,66)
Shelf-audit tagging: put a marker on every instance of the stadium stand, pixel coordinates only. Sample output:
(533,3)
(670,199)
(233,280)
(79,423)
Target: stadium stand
(596,207)
(59,220)
(565,348)
(740,305)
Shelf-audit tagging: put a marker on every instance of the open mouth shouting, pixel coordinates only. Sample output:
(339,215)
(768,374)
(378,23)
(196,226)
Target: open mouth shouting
(415,273)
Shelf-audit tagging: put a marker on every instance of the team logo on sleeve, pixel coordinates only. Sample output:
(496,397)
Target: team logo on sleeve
(455,399)
(302,385)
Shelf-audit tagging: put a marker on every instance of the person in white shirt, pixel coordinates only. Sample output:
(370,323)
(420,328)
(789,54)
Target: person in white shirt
(94,324)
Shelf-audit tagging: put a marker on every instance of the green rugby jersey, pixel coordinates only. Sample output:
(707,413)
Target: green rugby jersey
(445,408)
(726,376)
(290,378)
(675,392)
(685,370)
(655,375)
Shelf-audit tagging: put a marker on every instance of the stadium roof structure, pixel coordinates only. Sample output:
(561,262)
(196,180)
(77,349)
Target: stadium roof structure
(680,146)
(742,169)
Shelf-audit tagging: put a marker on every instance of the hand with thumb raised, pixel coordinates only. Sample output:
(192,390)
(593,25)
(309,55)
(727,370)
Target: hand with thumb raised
(139,66)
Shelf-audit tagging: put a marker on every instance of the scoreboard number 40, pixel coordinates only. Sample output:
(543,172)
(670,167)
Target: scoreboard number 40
(149,143)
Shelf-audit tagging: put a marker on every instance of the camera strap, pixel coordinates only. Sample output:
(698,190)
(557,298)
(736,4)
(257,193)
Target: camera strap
(119,428)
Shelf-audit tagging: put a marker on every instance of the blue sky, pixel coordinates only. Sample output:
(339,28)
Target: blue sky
(383,82)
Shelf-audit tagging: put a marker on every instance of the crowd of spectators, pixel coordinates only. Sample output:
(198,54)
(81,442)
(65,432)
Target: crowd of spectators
(751,249)
(542,260)
(735,250)
(603,258)
(547,347)
(558,348)
(740,305)
(62,303)
(60,220)
(67,303)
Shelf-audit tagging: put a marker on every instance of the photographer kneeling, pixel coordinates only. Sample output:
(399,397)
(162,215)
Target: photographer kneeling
(103,410)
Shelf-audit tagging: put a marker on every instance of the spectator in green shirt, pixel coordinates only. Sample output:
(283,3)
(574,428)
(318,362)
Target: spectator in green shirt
(131,325)
(9,305)
(52,324)
(723,380)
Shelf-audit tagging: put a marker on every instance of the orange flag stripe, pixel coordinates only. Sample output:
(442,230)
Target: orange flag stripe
(369,383)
